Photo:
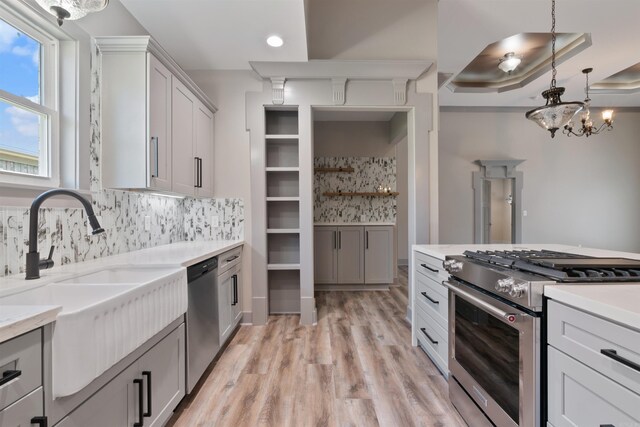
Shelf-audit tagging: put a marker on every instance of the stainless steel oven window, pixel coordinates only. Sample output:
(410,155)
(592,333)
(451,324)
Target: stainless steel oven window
(527,328)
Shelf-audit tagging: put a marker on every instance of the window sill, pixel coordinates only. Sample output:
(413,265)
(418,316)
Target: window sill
(21,196)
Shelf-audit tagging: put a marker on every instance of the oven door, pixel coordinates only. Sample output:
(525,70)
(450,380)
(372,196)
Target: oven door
(494,355)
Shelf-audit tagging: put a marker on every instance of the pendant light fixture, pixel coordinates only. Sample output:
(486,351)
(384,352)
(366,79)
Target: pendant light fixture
(71,9)
(555,113)
(587,127)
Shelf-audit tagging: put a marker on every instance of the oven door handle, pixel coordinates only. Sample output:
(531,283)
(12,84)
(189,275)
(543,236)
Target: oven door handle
(509,317)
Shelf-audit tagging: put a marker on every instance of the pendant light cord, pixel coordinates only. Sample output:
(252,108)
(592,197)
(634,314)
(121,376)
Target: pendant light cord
(553,44)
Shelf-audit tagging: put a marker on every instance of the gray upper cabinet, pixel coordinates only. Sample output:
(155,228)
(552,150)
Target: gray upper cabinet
(325,245)
(157,125)
(378,254)
(350,255)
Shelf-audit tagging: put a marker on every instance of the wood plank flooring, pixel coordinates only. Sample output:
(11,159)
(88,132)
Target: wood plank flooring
(355,368)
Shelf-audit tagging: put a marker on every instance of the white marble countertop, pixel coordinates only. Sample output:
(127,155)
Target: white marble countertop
(14,319)
(440,251)
(618,303)
(366,224)
(17,319)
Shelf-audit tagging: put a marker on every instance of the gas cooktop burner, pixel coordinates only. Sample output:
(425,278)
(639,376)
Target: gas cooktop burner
(561,266)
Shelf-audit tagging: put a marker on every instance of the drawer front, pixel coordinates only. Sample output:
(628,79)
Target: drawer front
(584,337)
(580,396)
(23,354)
(433,298)
(430,266)
(438,351)
(229,259)
(21,412)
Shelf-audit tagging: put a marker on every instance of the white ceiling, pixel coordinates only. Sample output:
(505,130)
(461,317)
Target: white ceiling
(224,34)
(466,27)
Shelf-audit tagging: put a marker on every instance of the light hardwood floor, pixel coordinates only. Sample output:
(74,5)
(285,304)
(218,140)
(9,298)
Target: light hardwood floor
(355,368)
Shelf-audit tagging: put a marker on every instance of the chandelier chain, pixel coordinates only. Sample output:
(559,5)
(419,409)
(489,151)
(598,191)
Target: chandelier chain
(553,44)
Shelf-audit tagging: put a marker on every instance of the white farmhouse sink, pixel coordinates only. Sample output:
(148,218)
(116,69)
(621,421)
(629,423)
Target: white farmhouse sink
(120,274)
(100,325)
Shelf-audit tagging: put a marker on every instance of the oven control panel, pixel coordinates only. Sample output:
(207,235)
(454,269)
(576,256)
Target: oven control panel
(510,286)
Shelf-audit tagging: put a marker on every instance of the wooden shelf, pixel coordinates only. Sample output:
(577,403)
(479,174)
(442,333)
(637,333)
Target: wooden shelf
(283,136)
(283,199)
(347,169)
(283,169)
(283,266)
(372,194)
(283,231)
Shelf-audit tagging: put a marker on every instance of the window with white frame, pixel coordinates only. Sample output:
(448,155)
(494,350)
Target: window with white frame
(28,102)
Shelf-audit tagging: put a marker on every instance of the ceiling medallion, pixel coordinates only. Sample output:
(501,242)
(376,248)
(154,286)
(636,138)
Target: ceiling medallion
(587,127)
(555,113)
(71,9)
(509,62)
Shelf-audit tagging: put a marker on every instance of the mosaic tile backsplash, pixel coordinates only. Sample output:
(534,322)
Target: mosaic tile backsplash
(368,174)
(122,212)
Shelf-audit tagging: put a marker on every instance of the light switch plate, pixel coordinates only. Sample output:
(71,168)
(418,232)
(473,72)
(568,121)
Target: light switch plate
(363,218)
(525,213)
(147,223)
(89,229)
(215,221)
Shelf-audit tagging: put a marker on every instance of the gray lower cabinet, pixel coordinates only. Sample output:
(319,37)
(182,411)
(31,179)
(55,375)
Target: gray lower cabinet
(350,255)
(378,254)
(353,255)
(146,392)
(325,248)
(229,292)
(593,374)
(22,412)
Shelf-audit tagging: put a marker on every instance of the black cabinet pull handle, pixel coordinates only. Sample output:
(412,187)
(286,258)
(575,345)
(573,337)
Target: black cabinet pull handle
(435,270)
(607,425)
(424,331)
(612,354)
(140,422)
(232,258)
(41,421)
(424,294)
(148,375)
(9,375)
(366,237)
(235,289)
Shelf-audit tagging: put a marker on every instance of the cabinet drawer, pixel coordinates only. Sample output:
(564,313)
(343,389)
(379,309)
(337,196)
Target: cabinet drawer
(583,337)
(23,354)
(430,266)
(433,298)
(580,396)
(433,339)
(22,411)
(229,259)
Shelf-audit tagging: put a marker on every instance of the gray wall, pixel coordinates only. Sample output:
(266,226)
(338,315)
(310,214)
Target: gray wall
(576,191)
(352,139)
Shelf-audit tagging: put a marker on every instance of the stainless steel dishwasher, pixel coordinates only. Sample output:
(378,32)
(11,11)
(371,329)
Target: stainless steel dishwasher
(203,332)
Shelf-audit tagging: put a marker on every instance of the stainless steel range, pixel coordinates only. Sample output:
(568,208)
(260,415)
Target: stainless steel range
(496,326)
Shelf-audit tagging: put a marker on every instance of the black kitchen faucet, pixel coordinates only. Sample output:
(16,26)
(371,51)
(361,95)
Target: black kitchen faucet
(34,263)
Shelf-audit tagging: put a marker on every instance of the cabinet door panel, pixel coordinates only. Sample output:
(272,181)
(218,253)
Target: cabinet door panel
(225,284)
(182,135)
(350,255)
(166,364)
(236,309)
(116,404)
(159,158)
(378,261)
(204,150)
(20,413)
(325,246)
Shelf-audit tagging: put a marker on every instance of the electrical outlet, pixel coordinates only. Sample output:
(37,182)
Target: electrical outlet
(147,223)
(215,221)
(363,218)
(89,229)
(525,213)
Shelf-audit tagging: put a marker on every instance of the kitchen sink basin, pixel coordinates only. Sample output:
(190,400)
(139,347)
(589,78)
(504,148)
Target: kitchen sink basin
(100,325)
(120,275)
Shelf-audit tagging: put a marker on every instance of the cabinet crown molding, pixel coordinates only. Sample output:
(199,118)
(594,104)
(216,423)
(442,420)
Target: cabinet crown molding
(147,44)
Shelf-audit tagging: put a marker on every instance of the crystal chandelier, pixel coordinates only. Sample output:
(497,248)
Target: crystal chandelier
(587,127)
(555,113)
(72,9)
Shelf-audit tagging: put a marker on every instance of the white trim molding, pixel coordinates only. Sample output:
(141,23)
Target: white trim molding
(277,90)
(400,91)
(339,85)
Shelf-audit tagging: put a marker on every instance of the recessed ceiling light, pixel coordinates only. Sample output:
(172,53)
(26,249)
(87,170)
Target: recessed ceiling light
(275,41)
(509,62)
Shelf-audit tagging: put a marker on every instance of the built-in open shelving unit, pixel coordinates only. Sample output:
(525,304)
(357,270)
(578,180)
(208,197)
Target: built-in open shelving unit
(282,171)
(347,194)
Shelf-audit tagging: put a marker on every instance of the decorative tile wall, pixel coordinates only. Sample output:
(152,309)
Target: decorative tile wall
(368,174)
(122,212)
